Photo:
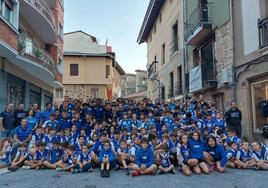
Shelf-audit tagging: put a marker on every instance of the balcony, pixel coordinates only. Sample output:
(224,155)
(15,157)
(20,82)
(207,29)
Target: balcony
(152,73)
(203,77)
(38,63)
(178,88)
(40,17)
(174,46)
(171,92)
(263,32)
(199,24)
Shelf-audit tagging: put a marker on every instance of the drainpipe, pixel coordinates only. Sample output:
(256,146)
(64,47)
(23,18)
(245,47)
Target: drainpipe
(234,78)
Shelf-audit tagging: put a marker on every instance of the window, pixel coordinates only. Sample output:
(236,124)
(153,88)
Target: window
(160,17)
(150,37)
(174,46)
(59,93)
(94,93)
(155,28)
(60,65)
(163,54)
(179,81)
(73,69)
(259,104)
(107,70)
(60,31)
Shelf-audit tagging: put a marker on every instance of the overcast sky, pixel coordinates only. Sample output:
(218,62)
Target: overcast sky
(117,20)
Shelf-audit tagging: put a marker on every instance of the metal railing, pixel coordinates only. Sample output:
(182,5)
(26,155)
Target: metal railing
(44,9)
(178,88)
(202,14)
(263,32)
(152,70)
(174,46)
(208,71)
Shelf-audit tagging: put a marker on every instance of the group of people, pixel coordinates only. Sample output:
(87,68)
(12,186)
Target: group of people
(191,135)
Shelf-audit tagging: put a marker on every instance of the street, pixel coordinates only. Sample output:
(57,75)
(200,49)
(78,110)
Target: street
(51,179)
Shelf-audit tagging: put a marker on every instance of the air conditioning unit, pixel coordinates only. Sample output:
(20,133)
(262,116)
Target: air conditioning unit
(225,75)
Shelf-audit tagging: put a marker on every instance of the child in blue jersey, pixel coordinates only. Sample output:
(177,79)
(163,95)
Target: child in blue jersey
(219,121)
(231,154)
(173,143)
(196,152)
(50,138)
(215,155)
(134,148)
(244,158)
(125,123)
(69,159)
(107,159)
(164,157)
(183,158)
(115,144)
(74,133)
(144,162)
(208,123)
(83,133)
(37,137)
(67,137)
(40,156)
(84,159)
(78,145)
(65,122)
(124,155)
(21,156)
(54,156)
(260,155)
(52,122)
(231,137)
(5,154)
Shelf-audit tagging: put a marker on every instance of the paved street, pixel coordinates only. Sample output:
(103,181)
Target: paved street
(51,179)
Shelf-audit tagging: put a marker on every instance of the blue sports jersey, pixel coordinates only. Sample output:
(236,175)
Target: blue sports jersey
(219,123)
(260,155)
(217,153)
(164,159)
(41,155)
(196,149)
(84,157)
(144,157)
(243,155)
(48,140)
(22,133)
(125,124)
(7,156)
(231,154)
(184,151)
(65,123)
(168,121)
(54,155)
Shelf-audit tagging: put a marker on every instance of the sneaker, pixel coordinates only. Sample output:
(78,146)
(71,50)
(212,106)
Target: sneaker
(102,173)
(26,167)
(12,169)
(154,172)
(117,167)
(90,169)
(107,173)
(127,171)
(135,173)
(158,172)
(58,169)
(212,168)
(173,171)
(74,171)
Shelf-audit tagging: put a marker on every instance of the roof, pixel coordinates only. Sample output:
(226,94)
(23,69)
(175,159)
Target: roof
(94,39)
(140,94)
(119,68)
(110,55)
(139,70)
(149,19)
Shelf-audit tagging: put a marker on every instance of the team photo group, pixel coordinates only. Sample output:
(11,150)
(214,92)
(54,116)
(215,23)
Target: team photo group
(189,136)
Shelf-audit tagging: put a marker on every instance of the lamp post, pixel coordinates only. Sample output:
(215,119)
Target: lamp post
(155,79)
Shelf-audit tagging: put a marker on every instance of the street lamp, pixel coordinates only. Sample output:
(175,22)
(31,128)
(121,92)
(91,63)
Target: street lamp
(155,79)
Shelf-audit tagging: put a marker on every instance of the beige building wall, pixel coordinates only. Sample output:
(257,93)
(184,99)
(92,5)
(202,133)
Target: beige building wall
(116,83)
(170,13)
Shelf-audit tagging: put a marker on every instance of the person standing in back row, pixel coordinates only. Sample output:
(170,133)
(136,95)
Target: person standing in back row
(233,119)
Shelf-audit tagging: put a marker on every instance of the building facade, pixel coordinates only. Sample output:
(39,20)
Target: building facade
(162,30)
(90,69)
(209,50)
(31,43)
(134,86)
(251,63)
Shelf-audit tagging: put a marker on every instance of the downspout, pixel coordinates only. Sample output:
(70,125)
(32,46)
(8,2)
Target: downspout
(234,78)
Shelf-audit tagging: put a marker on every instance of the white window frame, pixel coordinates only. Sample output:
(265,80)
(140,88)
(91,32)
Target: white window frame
(256,130)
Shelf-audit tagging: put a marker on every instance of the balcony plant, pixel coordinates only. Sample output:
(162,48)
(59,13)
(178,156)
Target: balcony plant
(38,53)
(21,47)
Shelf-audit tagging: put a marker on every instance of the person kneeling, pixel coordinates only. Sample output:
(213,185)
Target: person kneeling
(144,162)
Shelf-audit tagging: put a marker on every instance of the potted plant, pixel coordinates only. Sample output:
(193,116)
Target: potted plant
(38,53)
(21,47)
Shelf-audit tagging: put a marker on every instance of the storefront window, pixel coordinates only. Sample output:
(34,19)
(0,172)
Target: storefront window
(260,104)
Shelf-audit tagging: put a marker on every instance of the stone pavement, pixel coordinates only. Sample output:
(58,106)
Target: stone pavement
(53,179)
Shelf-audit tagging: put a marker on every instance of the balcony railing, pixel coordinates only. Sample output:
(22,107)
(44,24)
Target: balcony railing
(202,14)
(174,46)
(263,32)
(178,88)
(152,70)
(38,55)
(170,92)
(208,71)
(44,9)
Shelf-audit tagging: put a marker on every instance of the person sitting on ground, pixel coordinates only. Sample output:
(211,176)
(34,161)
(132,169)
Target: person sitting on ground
(106,159)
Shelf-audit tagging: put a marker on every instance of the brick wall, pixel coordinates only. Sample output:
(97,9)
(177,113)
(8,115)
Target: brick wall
(8,35)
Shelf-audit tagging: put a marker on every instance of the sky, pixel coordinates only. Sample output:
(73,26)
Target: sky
(119,21)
